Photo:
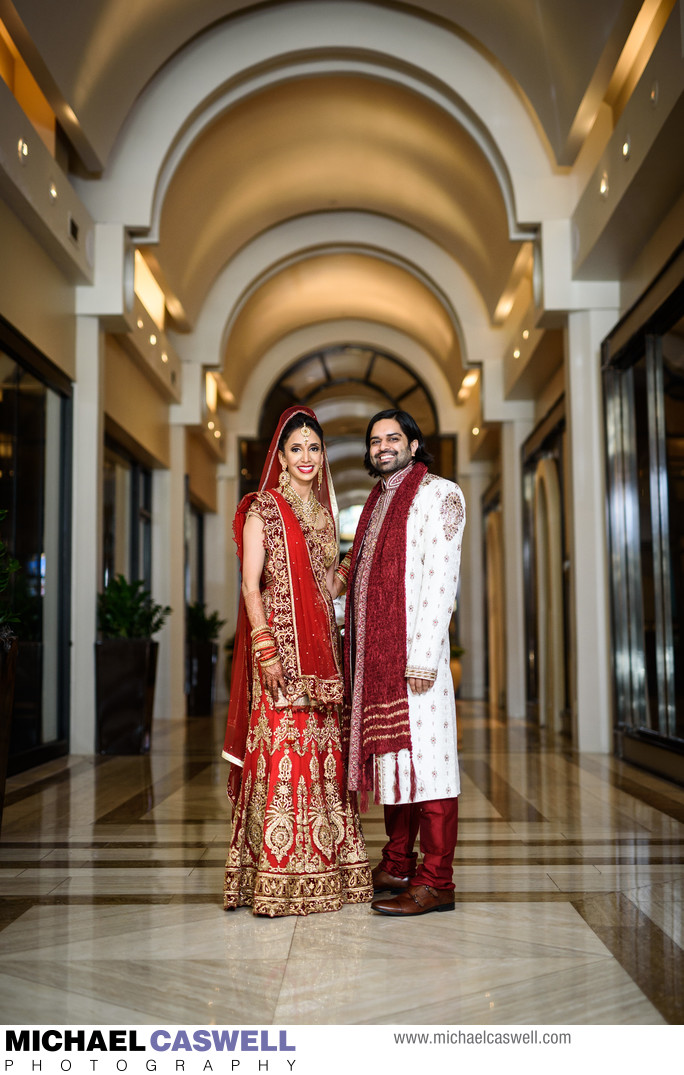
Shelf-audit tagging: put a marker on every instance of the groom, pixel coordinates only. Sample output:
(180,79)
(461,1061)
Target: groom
(401,576)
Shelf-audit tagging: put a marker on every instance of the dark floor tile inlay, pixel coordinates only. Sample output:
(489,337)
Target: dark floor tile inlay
(504,798)
(651,958)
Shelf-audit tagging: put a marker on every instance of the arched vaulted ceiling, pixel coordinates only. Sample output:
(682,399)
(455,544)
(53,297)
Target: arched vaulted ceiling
(334,287)
(332,143)
(223,135)
(95,58)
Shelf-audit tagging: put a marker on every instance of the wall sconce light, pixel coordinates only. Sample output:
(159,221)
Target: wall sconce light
(22,150)
(604,186)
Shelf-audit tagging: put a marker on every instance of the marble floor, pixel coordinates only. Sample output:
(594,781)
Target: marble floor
(569,885)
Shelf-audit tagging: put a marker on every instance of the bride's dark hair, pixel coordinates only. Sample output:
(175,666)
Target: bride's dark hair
(296,422)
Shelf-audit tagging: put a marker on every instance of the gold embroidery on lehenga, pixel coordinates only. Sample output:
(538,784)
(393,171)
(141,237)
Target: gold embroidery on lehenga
(320,825)
(280,827)
(333,799)
(255,802)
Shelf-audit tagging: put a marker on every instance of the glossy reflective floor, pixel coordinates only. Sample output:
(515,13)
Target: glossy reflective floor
(569,885)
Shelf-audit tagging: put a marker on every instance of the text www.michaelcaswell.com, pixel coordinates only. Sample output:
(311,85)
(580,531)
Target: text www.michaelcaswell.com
(483,1037)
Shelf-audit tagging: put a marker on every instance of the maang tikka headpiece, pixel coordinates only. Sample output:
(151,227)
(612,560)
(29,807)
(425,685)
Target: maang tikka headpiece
(306,433)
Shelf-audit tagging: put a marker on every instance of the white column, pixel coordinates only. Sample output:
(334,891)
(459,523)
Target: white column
(220,569)
(471,599)
(87,531)
(512,436)
(168,563)
(592,674)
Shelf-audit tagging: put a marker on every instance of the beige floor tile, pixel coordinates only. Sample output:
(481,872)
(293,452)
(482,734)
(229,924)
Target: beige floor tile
(352,990)
(595,993)
(159,881)
(154,932)
(168,992)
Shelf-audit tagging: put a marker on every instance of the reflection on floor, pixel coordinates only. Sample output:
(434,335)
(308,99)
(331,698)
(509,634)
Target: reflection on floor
(569,886)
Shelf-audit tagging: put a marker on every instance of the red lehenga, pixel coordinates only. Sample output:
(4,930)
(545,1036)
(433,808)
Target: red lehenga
(297,845)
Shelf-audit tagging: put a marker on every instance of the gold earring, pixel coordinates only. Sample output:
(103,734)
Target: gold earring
(320,477)
(284,478)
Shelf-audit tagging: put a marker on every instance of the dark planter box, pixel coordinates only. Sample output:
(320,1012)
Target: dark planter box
(201,678)
(28,698)
(8,663)
(125,673)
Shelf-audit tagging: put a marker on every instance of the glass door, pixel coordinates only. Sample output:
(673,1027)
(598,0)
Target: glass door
(34,462)
(644,406)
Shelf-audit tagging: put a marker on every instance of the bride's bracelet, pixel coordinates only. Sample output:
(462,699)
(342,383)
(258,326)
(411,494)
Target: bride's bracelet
(262,638)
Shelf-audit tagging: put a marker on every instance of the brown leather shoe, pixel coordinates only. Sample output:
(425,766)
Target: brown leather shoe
(417,899)
(383,881)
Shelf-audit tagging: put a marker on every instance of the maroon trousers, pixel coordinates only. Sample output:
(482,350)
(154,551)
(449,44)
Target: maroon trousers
(437,822)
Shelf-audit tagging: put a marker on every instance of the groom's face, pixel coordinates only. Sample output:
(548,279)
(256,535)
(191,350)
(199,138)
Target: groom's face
(389,447)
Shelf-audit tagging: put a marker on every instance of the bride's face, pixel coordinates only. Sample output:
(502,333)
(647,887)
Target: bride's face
(303,457)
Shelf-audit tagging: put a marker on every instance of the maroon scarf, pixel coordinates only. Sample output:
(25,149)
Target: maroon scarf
(385,727)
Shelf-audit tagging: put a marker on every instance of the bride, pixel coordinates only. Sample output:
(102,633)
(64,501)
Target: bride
(296,845)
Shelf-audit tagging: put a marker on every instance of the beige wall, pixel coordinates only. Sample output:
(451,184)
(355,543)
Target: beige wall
(34,295)
(201,470)
(133,408)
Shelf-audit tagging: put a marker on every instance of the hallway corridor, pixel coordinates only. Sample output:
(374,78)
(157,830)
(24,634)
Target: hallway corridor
(569,886)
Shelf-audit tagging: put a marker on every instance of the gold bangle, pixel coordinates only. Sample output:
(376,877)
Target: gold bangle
(271,661)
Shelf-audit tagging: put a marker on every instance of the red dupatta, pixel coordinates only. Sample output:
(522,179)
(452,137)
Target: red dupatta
(302,616)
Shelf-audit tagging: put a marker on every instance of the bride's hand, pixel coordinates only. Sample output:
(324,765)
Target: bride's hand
(273,678)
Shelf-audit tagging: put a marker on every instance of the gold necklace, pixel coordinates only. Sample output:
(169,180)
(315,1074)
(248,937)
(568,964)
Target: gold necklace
(306,510)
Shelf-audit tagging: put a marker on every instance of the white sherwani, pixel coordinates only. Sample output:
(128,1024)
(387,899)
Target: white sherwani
(433,554)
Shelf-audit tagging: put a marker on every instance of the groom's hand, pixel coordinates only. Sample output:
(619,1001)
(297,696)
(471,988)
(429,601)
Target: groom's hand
(419,686)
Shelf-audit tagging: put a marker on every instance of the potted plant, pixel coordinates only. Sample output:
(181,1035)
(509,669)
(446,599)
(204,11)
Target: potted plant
(202,632)
(126,666)
(8,660)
